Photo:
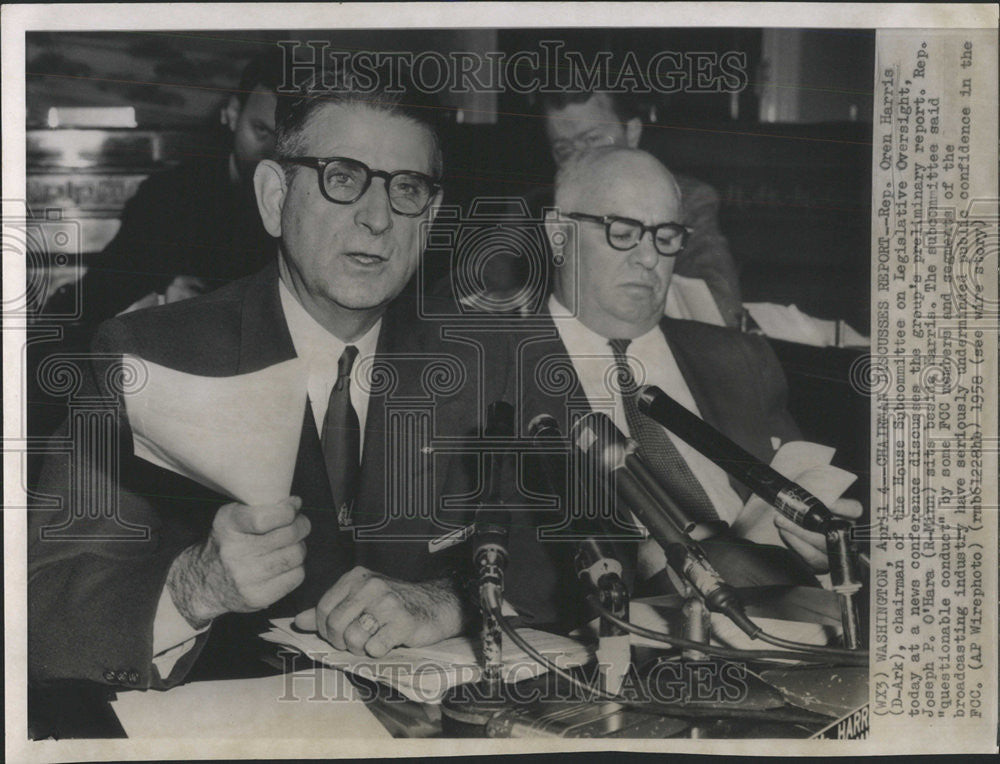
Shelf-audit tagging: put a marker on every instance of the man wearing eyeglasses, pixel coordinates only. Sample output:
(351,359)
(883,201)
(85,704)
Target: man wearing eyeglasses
(616,237)
(349,195)
(579,121)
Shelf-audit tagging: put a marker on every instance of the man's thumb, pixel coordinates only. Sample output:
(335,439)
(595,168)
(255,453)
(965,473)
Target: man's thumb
(306,620)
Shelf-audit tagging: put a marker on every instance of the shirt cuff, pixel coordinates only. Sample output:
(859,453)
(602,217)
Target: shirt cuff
(173,636)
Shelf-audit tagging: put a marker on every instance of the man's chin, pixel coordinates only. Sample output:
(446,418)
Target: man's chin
(362,299)
(641,309)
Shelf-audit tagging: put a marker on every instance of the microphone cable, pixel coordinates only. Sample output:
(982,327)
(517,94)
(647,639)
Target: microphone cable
(520,641)
(805,653)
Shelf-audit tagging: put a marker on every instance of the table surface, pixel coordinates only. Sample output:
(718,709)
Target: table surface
(228,708)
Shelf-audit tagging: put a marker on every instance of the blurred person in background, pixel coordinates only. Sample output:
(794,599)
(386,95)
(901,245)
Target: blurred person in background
(194,228)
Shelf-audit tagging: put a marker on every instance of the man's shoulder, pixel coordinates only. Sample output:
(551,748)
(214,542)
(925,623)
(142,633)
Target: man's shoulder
(430,318)
(711,341)
(199,335)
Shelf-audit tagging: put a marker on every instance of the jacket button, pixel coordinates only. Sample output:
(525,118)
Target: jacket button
(109,676)
(133,677)
(122,677)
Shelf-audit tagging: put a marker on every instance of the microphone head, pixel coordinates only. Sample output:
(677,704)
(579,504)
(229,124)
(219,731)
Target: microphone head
(544,426)
(647,397)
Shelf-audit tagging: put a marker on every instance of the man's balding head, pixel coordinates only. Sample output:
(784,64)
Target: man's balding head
(619,165)
(616,293)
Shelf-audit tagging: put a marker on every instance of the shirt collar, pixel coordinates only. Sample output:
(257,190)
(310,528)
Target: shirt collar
(579,338)
(313,343)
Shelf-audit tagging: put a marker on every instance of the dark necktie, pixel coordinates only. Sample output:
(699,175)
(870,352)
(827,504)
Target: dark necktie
(342,439)
(656,447)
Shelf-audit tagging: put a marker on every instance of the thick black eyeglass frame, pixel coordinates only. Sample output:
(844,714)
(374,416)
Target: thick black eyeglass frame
(607,220)
(320,164)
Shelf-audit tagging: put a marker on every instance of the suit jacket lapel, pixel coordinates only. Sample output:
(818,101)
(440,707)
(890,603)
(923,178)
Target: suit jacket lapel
(713,408)
(548,381)
(264,337)
(690,368)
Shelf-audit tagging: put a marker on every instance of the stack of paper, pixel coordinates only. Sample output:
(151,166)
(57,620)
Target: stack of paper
(304,705)
(786,322)
(425,674)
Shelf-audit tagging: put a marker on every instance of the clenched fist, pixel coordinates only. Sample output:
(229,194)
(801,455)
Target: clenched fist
(252,558)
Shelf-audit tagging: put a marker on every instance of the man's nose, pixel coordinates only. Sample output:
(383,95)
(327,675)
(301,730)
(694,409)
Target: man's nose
(644,253)
(373,210)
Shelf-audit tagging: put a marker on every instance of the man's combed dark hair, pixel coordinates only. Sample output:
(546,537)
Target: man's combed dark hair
(581,89)
(545,102)
(345,89)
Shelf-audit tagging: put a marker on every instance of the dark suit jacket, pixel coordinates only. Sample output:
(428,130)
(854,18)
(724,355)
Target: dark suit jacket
(93,589)
(739,388)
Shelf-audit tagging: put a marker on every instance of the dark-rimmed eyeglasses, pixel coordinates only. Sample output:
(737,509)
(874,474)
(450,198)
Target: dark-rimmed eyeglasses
(625,233)
(343,180)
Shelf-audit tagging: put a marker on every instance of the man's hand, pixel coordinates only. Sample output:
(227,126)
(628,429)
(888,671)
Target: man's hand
(252,558)
(184,288)
(812,546)
(370,614)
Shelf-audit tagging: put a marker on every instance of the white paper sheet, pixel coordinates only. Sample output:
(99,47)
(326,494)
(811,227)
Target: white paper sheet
(319,703)
(786,322)
(237,435)
(808,464)
(424,674)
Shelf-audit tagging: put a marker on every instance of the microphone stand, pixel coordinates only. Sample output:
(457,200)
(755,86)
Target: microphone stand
(489,553)
(786,496)
(615,456)
(602,573)
(595,565)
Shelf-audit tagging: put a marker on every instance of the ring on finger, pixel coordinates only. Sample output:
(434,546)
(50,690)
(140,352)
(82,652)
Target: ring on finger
(368,622)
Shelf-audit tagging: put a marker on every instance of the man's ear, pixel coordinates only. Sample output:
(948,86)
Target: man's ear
(435,205)
(633,132)
(270,187)
(231,113)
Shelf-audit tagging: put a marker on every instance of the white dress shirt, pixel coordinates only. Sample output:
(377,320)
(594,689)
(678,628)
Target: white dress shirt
(321,351)
(652,363)
(172,634)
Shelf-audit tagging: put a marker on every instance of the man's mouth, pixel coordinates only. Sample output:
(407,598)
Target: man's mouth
(366,258)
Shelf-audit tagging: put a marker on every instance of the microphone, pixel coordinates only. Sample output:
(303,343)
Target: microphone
(489,552)
(595,564)
(594,556)
(789,498)
(617,460)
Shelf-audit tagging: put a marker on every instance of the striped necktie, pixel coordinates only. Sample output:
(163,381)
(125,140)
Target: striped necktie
(342,439)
